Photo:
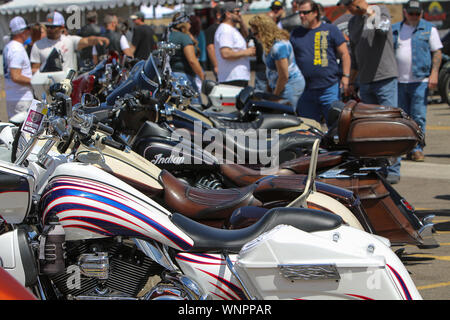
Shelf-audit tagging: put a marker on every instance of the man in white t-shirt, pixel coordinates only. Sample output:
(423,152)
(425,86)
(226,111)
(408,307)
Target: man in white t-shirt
(17,69)
(231,48)
(418,53)
(66,45)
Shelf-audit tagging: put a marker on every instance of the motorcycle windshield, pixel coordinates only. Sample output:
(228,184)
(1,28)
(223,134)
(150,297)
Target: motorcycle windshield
(144,75)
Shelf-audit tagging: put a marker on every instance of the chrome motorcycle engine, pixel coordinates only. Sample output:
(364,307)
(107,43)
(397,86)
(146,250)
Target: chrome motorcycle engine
(104,269)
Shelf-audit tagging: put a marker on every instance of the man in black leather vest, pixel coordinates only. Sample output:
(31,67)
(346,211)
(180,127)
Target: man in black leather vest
(91,29)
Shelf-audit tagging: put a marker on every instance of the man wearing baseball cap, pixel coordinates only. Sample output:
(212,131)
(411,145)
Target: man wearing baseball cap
(17,69)
(418,52)
(144,40)
(67,45)
(276,11)
(231,47)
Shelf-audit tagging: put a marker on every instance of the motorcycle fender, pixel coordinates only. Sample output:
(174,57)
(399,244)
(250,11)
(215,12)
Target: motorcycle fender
(17,258)
(324,202)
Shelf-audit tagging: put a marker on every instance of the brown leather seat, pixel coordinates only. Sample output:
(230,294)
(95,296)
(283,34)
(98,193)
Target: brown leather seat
(201,204)
(243,176)
(325,160)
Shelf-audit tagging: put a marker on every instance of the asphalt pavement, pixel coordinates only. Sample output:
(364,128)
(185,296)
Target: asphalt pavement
(425,185)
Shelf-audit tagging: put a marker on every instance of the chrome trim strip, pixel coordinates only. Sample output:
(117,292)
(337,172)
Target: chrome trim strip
(309,272)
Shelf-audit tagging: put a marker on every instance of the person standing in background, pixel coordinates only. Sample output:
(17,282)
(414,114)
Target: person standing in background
(418,52)
(17,69)
(291,20)
(284,77)
(67,46)
(90,29)
(38,31)
(209,36)
(117,41)
(199,35)
(184,63)
(231,48)
(317,45)
(276,12)
(373,60)
(144,38)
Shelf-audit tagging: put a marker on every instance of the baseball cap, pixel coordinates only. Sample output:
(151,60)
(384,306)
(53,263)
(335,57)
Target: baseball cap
(413,6)
(137,15)
(17,25)
(229,6)
(55,19)
(276,4)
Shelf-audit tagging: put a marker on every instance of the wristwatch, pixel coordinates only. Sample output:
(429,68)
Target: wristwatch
(346,75)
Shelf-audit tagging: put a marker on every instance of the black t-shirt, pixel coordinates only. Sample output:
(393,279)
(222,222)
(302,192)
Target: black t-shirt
(210,32)
(143,40)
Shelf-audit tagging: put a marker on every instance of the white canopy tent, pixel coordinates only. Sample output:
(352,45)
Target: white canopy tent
(158,11)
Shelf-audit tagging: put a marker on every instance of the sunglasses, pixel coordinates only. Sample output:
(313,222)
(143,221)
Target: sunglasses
(305,12)
(416,14)
(236,11)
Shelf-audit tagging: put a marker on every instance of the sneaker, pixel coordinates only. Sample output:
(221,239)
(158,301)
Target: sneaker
(418,156)
(393,179)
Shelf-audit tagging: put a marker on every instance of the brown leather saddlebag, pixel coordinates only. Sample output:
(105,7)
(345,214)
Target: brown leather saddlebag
(385,216)
(370,130)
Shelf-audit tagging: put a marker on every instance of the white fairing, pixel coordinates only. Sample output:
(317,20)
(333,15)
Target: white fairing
(90,203)
(16,189)
(10,257)
(41,82)
(344,263)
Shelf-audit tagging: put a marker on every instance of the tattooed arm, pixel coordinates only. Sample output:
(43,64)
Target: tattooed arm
(436,63)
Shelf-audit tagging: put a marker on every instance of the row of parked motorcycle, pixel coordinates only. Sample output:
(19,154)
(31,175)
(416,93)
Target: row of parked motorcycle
(109,181)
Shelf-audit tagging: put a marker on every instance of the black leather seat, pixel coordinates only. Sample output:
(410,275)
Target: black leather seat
(209,239)
(265,121)
(253,146)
